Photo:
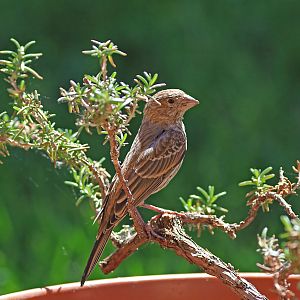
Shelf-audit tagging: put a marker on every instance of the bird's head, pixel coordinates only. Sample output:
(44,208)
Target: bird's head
(168,106)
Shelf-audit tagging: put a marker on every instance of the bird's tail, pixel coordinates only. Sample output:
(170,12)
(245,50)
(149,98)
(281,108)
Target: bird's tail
(95,254)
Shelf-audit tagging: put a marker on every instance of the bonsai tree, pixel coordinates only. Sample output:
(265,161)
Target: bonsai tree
(106,106)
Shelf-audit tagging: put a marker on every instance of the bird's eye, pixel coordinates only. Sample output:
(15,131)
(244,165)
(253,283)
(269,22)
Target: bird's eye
(171,101)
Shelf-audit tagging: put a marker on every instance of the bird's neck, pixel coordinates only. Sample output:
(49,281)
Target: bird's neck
(147,133)
(161,123)
(149,130)
(157,126)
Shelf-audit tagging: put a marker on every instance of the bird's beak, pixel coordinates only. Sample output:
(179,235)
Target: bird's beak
(190,102)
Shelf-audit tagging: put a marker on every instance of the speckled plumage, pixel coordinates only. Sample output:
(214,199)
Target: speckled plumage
(155,156)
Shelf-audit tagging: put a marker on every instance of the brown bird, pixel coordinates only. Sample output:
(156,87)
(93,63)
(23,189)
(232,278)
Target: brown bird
(155,157)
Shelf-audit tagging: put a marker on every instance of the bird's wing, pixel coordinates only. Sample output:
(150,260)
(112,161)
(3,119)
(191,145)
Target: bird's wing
(149,171)
(164,154)
(147,174)
(153,168)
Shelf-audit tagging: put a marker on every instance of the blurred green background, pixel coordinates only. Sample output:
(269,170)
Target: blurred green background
(241,59)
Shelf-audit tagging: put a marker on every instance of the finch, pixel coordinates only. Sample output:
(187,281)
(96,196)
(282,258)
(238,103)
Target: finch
(154,159)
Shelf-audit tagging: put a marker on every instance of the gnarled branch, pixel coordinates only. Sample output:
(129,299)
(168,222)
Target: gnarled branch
(169,233)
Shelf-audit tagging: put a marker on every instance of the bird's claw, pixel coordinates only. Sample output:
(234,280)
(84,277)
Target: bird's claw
(151,232)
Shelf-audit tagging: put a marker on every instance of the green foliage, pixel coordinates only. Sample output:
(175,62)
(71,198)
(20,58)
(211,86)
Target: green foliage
(103,102)
(103,51)
(203,203)
(259,185)
(87,188)
(259,179)
(31,127)
(17,63)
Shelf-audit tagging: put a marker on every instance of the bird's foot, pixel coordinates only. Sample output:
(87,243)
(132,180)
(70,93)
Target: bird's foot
(151,232)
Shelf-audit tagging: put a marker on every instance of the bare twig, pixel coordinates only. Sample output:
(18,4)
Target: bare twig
(281,282)
(287,207)
(250,218)
(13,143)
(211,220)
(297,171)
(131,112)
(258,201)
(138,222)
(99,179)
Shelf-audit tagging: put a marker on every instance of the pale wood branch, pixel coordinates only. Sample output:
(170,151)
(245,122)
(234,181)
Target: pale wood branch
(169,233)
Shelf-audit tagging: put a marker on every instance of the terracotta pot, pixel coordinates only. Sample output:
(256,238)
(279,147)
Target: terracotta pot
(162,287)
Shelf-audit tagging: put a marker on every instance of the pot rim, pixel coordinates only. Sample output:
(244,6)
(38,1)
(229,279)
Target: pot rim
(65,287)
